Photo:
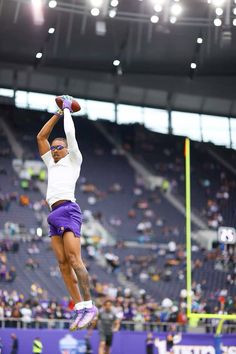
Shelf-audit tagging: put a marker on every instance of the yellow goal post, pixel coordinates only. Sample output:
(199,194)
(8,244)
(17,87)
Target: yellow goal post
(190,315)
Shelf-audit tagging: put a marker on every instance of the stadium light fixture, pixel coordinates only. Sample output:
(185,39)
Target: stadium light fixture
(100,28)
(158,2)
(193,66)
(37,8)
(219,11)
(39,55)
(218,3)
(199,40)
(114,3)
(36,3)
(234,11)
(158,7)
(234,22)
(217,22)
(116,62)
(173,19)
(51,30)
(112,13)
(95,11)
(96,3)
(52,4)
(176,9)
(154,19)
(119,71)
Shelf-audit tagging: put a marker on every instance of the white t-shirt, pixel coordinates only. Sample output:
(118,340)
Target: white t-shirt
(26,314)
(62,176)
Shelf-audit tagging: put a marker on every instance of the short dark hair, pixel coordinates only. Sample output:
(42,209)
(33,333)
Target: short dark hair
(107,301)
(61,139)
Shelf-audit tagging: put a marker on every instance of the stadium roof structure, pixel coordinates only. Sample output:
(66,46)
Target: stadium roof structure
(155,53)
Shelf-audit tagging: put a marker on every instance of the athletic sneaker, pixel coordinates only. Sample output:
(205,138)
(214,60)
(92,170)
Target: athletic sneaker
(67,101)
(88,315)
(78,314)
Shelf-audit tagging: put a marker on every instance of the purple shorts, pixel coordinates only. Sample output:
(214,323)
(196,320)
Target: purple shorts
(65,217)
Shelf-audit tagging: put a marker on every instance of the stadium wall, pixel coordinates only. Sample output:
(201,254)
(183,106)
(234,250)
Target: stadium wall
(125,342)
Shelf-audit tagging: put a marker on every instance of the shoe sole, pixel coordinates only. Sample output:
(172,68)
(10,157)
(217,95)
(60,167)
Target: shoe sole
(89,323)
(73,329)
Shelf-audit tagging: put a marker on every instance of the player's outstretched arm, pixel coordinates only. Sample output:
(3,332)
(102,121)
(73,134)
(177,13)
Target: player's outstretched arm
(42,137)
(69,129)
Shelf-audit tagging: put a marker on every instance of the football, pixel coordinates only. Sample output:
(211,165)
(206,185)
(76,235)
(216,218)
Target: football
(75,105)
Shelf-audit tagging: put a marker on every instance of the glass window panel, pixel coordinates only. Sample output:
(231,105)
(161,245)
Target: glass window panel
(6,92)
(129,114)
(102,110)
(233,132)
(21,99)
(42,102)
(156,120)
(186,124)
(215,130)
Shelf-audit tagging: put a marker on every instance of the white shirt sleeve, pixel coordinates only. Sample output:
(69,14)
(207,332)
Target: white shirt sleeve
(69,128)
(47,158)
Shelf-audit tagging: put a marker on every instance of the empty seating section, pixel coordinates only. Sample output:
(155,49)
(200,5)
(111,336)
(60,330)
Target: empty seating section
(212,185)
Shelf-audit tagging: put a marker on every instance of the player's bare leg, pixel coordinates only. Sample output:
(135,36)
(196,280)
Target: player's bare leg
(72,247)
(67,272)
(102,347)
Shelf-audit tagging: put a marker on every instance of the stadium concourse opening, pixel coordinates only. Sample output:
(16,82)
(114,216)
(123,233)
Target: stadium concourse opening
(117,232)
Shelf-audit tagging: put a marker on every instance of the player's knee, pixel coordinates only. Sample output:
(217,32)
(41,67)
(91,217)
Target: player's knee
(102,345)
(63,265)
(74,261)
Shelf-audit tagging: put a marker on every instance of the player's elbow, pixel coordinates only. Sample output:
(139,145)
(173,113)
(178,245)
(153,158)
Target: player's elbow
(40,136)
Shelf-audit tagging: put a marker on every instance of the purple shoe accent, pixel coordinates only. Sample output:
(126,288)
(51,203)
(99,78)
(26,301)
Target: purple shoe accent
(88,315)
(78,314)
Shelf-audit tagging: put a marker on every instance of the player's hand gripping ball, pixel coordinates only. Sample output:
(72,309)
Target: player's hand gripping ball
(75,106)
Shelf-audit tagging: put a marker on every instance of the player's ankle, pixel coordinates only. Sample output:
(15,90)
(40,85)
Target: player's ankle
(83,304)
(88,304)
(79,306)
